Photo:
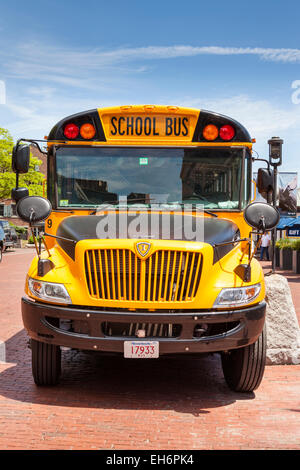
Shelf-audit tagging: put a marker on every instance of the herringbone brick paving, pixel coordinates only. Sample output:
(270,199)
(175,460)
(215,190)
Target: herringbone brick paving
(111,403)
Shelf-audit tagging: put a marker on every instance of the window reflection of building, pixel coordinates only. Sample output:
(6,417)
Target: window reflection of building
(76,190)
(206,179)
(214,178)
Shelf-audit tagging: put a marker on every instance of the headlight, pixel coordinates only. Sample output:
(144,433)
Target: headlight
(49,291)
(237,296)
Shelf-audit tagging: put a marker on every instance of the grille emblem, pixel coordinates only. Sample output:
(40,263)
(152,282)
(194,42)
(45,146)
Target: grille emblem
(141,333)
(143,249)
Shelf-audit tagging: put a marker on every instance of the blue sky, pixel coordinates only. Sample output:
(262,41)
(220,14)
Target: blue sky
(232,57)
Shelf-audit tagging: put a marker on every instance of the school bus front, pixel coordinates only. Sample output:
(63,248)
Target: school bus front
(148,252)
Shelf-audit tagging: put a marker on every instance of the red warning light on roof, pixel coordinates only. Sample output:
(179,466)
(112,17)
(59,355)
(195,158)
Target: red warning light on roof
(71,131)
(227,132)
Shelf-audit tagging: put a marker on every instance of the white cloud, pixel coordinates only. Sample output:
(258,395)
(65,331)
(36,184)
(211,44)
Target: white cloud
(73,67)
(58,58)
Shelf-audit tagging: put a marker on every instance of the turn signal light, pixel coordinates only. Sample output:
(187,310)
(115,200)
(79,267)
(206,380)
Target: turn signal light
(227,132)
(210,132)
(71,131)
(87,131)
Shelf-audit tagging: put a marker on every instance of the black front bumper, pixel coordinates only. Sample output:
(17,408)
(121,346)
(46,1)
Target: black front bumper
(42,322)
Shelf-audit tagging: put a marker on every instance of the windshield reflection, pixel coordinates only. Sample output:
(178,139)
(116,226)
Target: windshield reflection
(91,177)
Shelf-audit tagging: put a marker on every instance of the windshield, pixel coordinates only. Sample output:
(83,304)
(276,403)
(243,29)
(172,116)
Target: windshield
(90,176)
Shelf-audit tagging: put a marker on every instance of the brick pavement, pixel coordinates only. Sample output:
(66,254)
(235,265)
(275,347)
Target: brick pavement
(111,403)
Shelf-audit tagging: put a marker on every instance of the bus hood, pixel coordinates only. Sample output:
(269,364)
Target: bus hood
(146,225)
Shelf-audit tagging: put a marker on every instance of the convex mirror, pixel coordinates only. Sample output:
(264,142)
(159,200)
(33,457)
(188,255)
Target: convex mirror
(33,209)
(261,216)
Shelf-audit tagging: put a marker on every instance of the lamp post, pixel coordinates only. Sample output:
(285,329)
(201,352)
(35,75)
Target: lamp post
(275,160)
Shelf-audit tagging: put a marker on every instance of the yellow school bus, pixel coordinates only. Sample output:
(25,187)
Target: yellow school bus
(148,251)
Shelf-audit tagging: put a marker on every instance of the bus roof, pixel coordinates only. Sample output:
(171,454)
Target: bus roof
(149,125)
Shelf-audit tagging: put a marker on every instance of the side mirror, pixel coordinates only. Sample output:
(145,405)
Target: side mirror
(20,158)
(265,181)
(261,216)
(19,193)
(33,209)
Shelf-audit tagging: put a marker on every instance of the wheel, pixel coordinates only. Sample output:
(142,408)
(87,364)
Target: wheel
(46,363)
(243,368)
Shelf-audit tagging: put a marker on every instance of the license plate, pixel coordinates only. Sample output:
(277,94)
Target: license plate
(141,349)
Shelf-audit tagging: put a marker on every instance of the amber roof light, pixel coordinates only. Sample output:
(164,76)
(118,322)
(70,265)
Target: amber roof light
(210,132)
(87,131)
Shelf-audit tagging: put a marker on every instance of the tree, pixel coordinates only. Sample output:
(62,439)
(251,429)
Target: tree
(32,180)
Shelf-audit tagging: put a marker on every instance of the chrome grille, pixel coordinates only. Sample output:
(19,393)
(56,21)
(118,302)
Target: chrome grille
(165,276)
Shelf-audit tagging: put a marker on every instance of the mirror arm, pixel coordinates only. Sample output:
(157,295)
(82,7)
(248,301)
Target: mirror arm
(256,247)
(247,272)
(34,142)
(35,241)
(32,232)
(17,172)
(42,237)
(262,160)
(17,180)
(260,231)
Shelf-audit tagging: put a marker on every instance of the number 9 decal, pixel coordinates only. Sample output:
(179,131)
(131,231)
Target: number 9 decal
(49,223)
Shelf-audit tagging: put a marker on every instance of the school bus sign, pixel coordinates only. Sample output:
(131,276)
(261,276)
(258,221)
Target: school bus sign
(159,123)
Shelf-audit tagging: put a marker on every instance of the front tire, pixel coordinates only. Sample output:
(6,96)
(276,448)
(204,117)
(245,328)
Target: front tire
(46,363)
(243,368)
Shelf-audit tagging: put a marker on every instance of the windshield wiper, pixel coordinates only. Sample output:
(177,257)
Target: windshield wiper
(210,213)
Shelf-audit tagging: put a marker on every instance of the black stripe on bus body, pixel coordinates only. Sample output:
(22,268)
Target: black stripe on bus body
(215,231)
(86,117)
(219,120)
